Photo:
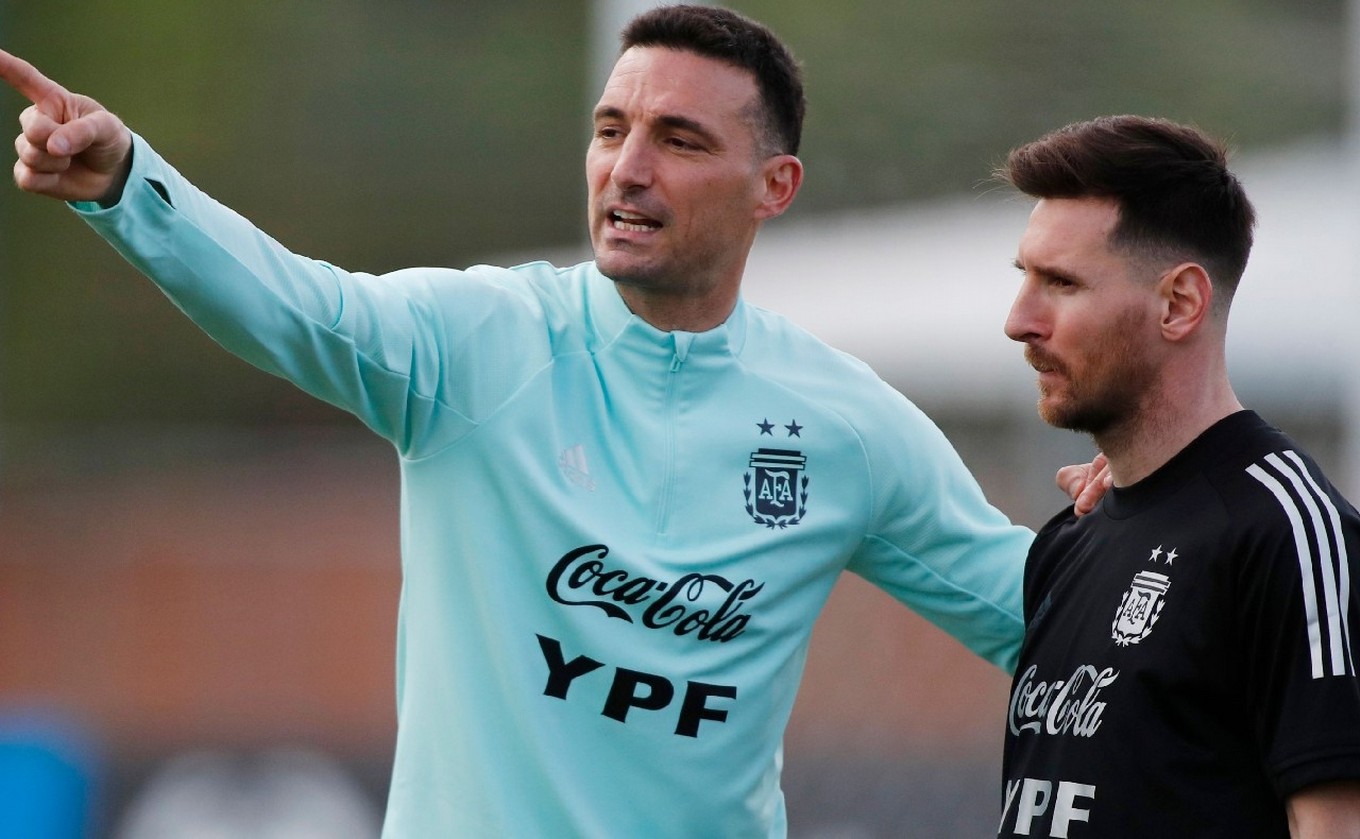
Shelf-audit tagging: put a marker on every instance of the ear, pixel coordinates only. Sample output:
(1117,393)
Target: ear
(781,176)
(1187,297)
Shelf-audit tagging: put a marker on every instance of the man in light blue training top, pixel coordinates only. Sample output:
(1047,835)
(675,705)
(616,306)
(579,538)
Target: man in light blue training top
(626,494)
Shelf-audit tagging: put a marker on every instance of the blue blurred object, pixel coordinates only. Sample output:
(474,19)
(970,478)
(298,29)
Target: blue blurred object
(47,777)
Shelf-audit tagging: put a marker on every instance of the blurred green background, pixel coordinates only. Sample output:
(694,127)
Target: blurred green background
(194,554)
(383,135)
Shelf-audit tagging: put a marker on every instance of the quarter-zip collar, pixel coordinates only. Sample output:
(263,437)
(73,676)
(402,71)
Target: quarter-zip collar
(614,324)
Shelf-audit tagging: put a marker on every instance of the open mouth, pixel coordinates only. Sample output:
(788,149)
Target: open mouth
(636,222)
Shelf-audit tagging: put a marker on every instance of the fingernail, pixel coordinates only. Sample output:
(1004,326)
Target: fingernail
(59,146)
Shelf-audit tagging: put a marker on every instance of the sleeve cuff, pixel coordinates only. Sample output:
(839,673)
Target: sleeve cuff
(141,156)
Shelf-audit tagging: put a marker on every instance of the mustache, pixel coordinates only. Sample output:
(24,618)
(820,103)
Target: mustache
(1042,361)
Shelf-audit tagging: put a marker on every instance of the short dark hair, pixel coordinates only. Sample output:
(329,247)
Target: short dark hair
(737,40)
(1176,197)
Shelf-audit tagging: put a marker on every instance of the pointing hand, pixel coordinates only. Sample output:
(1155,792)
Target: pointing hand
(71,148)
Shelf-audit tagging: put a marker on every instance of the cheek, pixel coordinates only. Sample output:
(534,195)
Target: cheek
(595,175)
(1077,344)
(1117,345)
(598,167)
(1087,322)
(723,202)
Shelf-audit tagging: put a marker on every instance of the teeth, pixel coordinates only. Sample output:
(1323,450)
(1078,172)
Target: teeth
(624,220)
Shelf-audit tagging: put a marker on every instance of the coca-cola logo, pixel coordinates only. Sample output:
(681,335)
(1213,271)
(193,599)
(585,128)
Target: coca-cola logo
(1060,707)
(707,606)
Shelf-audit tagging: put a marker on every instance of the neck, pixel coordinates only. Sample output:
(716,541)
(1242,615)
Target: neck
(678,313)
(1167,421)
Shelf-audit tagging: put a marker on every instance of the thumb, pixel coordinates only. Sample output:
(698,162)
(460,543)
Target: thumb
(1072,479)
(99,138)
(81,133)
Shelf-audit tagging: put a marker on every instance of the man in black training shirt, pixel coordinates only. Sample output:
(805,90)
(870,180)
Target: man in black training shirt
(1188,667)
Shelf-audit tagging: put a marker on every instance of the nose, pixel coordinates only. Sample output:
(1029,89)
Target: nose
(1023,322)
(633,165)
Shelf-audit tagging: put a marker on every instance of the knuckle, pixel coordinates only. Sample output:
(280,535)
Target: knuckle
(27,152)
(23,177)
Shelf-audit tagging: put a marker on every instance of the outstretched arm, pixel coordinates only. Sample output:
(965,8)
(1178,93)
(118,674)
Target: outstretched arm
(403,352)
(71,147)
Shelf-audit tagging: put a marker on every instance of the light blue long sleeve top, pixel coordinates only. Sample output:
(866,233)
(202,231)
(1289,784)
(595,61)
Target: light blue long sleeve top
(615,540)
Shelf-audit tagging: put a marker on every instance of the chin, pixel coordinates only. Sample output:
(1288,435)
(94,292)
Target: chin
(610,264)
(624,271)
(1051,415)
(1083,419)
(608,261)
(1060,413)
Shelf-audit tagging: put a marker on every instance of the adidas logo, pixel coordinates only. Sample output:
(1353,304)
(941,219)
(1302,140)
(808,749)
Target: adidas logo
(573,464)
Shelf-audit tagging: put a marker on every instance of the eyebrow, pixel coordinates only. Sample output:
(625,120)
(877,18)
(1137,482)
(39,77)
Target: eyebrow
(607,112)
(1052,273)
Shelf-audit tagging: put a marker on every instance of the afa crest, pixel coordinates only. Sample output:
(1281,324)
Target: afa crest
(1140,608)
(776,491)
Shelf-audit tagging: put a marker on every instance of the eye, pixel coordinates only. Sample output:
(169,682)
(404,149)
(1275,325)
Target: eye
(608,132)
(682,144)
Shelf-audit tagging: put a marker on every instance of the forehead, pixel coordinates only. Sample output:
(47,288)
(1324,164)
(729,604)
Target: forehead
(1064,230)
(664,81)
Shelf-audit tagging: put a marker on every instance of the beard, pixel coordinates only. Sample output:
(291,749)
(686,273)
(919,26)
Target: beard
(1107,392)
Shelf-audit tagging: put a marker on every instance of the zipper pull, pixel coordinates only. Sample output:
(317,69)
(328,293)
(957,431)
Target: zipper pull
(682,342)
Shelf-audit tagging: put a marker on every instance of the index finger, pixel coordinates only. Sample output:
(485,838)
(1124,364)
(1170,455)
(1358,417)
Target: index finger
(25,78)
